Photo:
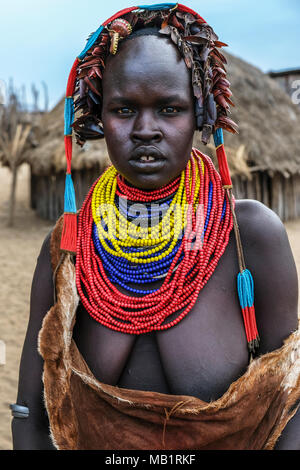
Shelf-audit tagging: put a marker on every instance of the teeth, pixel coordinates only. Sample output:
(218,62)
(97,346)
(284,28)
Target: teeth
(147,158)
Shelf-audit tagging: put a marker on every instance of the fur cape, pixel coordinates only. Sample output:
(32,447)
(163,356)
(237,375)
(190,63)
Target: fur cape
(87,414)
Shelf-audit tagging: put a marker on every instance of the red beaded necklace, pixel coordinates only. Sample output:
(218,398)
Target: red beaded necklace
(180,289)
(135,194)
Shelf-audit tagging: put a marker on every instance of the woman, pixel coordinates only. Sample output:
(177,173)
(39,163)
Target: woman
(157,355)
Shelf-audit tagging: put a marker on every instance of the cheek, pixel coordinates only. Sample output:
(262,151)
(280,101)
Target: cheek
(116,138)
(116,132)
(111,128)
(182,131)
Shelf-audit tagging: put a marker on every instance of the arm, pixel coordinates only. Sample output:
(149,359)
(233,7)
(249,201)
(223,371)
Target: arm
(269,257)
(32,433)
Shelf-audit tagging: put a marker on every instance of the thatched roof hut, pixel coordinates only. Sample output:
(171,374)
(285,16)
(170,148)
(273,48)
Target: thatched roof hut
(48,165)
(264,157)
(289,81)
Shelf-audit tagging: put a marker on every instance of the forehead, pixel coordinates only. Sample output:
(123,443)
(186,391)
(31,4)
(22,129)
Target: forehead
(147,63)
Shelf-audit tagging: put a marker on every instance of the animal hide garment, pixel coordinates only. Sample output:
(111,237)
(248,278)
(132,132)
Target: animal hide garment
(87,414)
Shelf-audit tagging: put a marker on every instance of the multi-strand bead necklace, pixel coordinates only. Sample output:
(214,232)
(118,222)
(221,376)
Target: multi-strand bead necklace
(181,249)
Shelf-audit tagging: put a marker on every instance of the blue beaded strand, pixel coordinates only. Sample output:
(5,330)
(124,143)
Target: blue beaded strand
(128,270)
(123,272)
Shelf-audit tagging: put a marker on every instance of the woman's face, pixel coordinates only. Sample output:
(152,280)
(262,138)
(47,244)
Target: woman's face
(148,111)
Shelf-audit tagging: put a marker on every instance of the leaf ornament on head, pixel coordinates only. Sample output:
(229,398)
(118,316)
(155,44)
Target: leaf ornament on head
(199,47)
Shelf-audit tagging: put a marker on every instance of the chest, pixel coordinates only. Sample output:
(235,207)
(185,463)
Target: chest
(201,356)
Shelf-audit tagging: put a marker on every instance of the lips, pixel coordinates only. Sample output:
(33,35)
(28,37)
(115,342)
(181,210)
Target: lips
(147,153)
(147,159)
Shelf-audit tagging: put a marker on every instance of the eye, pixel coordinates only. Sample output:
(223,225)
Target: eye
(170,110)
(124,110)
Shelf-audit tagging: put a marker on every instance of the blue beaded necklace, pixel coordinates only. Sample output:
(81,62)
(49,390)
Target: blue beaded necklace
(122,272)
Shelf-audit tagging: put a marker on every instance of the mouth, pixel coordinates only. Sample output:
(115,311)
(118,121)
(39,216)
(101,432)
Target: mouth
(147,158)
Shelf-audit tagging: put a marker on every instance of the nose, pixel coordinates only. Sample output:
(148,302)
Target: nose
(146,129)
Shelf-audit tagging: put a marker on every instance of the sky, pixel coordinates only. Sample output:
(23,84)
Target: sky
(41,39)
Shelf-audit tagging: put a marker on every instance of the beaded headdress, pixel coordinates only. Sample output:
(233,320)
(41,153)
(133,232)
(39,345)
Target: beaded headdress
(200,49)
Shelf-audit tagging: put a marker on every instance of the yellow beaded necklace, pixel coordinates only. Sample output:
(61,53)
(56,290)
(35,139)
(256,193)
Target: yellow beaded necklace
(127,234)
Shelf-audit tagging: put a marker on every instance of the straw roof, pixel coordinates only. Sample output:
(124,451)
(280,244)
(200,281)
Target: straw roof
(49,156)
(269,123)
(268,139)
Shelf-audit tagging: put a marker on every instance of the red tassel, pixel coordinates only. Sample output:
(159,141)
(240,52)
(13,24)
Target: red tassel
(69,233)
(223,166)
(72,79)
(250,323)
(253,326)
(246,323)
(68,151)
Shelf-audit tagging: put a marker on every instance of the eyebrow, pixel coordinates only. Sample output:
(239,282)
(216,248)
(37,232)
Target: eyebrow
(164,100)
(172,98)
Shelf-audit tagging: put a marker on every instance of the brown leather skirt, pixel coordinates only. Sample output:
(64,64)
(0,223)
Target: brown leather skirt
(87,414)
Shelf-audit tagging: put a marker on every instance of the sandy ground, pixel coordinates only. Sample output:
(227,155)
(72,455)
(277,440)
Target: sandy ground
(19,248)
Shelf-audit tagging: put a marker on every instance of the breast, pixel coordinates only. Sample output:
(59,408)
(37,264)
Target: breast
(207,351)
(201,356)
(204,354)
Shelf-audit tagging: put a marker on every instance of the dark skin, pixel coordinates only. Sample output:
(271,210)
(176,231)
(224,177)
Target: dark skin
(164,122)
(207,351)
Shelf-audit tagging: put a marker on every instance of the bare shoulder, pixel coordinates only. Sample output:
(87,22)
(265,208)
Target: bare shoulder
(263,232)
(269,257)
(260,221)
